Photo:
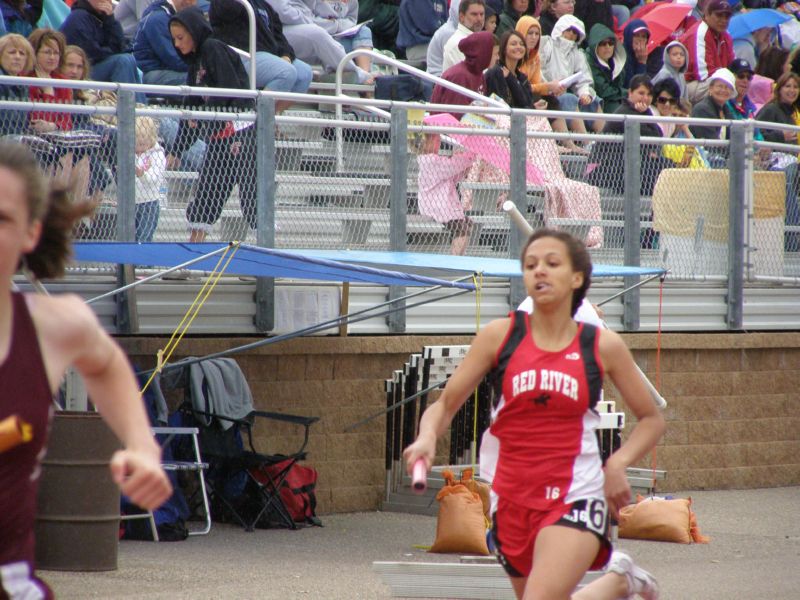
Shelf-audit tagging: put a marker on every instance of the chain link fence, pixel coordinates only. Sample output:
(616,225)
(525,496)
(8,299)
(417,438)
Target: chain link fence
(404,181)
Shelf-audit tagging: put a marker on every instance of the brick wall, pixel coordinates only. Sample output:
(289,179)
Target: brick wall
(734,405)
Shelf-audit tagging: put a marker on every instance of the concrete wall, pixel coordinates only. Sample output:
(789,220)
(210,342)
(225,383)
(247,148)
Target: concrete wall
(734,405)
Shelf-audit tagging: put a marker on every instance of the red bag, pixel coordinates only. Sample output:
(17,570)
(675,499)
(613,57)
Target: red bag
(297,491)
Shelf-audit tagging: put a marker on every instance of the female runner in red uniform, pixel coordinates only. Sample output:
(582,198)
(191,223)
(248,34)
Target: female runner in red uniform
(554,496)
(40,336)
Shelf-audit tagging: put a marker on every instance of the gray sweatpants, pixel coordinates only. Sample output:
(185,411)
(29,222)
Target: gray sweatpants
(313,45)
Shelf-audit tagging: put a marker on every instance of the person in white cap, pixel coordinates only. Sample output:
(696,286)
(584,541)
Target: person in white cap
(721,88)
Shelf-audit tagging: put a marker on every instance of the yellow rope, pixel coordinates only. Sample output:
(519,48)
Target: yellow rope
(478,285)
(163,355)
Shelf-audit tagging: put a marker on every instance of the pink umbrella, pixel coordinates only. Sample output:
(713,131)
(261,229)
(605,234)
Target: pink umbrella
(485,147)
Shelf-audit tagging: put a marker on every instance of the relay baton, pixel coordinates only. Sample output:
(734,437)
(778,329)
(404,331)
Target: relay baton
(419,476)
(525,227)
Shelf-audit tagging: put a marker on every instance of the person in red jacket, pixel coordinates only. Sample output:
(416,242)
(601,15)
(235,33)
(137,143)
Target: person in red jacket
(710,47)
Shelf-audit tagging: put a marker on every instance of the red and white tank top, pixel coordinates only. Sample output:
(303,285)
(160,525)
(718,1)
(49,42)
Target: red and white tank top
(545,423)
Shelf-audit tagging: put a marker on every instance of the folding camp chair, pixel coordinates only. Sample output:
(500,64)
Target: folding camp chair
(243,483)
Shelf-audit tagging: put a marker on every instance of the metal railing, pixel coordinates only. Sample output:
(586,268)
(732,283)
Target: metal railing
(327,181)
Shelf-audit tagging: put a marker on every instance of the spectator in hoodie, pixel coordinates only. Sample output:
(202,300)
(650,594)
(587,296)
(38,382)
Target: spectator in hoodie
(92,26)
(230,155)
(418,22)
(709,46)
(20,16)
(552,11)
(635,37)
(512,11)
(471,14)
(314,44)
(152,44)
(530,29)
(477,50)
(277,67)
(674,66)
(562,58)
(606,58)
(435,54)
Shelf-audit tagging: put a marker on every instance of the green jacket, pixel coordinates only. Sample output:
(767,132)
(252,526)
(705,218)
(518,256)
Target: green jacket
(385,21)
(608,77)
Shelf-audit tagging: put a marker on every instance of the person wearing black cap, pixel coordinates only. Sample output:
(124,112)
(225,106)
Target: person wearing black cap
(740,105)
(710,47)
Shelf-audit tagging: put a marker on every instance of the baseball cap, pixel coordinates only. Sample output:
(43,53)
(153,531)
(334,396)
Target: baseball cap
(725,76)
(715,6)
(740,65)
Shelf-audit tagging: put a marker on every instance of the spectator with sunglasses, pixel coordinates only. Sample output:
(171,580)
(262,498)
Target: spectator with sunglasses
(740,105)
(609,155)
(606,58)
(666,95)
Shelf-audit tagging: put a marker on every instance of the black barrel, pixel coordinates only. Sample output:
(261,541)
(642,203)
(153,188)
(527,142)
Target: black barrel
(77,521)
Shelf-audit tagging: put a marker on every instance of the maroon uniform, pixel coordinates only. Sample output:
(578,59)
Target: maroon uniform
(24,392)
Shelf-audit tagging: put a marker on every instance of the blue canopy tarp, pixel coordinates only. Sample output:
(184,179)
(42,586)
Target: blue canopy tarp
(326,265)
(251,260)
(444,265)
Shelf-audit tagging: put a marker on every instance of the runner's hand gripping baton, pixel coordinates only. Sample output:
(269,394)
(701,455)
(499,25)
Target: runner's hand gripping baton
(526,228)
(419,476)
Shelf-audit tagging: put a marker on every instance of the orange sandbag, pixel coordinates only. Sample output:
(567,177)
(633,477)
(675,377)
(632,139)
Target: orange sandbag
(479,487)
(460,526)
(660,520)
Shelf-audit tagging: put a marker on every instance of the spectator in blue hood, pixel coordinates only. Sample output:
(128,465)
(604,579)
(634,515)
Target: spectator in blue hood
(635,38)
